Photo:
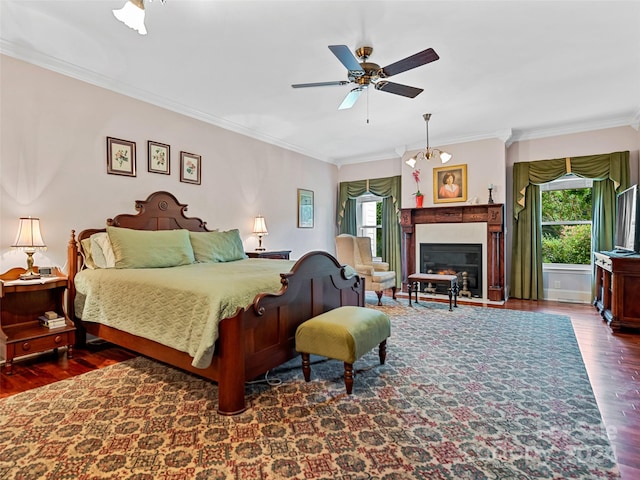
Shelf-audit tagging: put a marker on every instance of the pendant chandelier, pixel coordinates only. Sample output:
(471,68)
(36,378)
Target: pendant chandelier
(428,153)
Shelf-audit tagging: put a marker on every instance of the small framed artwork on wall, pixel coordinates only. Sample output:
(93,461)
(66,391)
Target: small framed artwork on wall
(121,157)
(450,184)
(190,168)
(158,158)
(305,208)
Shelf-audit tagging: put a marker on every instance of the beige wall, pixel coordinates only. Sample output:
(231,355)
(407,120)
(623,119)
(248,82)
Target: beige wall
(53,165)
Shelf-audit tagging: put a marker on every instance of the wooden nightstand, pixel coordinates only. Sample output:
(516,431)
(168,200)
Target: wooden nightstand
(277,254)
(21,303)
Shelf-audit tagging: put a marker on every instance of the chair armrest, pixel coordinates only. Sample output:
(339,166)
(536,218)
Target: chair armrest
(380,266)
(364,270)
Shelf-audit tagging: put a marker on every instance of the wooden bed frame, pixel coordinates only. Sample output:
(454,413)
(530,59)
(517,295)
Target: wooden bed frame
(259,337)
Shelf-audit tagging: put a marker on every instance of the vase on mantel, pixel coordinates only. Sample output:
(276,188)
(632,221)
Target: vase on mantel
(419,200)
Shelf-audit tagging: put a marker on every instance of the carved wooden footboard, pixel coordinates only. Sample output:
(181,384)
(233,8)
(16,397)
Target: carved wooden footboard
(259,337)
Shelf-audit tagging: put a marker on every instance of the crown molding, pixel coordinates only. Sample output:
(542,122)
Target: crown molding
(79,73)
(635,121)
(575,127)
(508,136)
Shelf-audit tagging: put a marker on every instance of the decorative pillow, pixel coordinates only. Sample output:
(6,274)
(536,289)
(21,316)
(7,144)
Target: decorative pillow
(87,257)
(211,247)
(150,249)
(101,251)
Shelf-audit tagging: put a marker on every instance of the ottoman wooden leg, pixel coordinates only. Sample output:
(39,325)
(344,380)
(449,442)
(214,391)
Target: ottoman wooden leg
(306,367)
(348,377)
(382,351)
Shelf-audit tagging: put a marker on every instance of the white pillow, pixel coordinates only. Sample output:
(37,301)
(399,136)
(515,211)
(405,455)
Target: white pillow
(101,250)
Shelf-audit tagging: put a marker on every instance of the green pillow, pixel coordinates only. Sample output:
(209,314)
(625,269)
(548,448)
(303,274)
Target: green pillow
(150,249)
(211,247)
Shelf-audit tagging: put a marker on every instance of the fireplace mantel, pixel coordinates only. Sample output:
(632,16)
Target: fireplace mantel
(491,214)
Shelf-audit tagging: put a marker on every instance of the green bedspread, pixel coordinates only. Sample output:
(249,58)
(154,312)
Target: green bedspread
(179,306)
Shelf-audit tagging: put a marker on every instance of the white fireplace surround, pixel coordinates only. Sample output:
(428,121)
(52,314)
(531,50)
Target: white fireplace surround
(455,233)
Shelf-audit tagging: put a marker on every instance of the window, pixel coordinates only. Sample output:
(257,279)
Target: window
(369,217)
(566,220)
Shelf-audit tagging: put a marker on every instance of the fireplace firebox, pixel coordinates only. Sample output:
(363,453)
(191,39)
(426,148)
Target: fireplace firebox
(461,259)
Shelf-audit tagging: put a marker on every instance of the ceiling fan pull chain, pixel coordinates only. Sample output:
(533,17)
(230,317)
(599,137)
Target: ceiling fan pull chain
(367,106)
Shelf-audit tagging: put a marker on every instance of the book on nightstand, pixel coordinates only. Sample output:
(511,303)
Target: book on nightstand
(52,322)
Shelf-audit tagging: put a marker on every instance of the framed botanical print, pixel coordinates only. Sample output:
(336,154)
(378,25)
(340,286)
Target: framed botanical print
(121,157)
(158,158)
(305,208)
(190,168)
(450,184)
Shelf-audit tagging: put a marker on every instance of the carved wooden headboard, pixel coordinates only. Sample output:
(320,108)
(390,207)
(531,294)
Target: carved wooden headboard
(160,211)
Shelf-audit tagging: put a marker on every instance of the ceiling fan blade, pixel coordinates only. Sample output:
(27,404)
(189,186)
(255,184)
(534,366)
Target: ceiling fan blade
(346,57)
(350,99)
(319,84)
(426,56)
(404,90)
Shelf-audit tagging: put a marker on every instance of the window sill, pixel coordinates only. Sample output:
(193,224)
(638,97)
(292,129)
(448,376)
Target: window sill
(566,268)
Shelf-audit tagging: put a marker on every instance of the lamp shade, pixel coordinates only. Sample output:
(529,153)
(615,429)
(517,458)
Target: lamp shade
(259,226)
(29,236)
(132,15)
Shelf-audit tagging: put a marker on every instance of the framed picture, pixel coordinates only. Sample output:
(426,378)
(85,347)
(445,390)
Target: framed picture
(190,168)
(450,184)
(121,157)
(158,158)
(305,208)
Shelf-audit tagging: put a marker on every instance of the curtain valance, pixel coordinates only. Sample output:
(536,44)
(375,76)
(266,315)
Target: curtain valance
(613,166)
(382,187)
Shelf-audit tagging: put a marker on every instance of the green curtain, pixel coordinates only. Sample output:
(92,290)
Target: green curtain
(611,174)
(350,220)
(389,189)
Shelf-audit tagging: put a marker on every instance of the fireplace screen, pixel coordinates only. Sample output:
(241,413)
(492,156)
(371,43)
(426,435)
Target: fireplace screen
(461,259)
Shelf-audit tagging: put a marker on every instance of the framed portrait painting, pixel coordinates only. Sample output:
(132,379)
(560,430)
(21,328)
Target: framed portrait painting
(450,184)
(121,157)
(305,208)
(158,158)
(190,168)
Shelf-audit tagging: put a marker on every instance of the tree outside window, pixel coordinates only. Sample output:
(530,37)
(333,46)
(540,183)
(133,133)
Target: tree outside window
(566,221)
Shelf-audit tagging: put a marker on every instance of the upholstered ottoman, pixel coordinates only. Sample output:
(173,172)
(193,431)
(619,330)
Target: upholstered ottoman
(345,333)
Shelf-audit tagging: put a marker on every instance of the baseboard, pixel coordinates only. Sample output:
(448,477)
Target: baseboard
(568,296)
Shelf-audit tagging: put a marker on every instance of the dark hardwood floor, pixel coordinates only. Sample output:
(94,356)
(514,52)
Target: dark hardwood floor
(612,362)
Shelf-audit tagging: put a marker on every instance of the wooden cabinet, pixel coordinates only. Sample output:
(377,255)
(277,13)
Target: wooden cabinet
(21,303)
(276,254)
(617,289)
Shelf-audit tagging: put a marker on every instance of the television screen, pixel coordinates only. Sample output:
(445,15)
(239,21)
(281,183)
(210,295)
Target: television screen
(626,237)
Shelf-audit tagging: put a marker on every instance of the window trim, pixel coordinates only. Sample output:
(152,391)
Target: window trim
(569,181)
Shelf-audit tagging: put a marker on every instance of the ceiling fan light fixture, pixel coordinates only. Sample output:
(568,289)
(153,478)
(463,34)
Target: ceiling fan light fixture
(428,153)
(132,15)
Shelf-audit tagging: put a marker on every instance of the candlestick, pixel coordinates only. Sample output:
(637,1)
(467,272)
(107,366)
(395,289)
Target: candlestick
(490,190)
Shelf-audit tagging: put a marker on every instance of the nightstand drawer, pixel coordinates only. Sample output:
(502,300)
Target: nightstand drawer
(50,341)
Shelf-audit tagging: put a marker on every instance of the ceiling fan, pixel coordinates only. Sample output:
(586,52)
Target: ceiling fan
(364,73)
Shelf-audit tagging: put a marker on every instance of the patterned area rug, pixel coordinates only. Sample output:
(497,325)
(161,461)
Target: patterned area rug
(476,393)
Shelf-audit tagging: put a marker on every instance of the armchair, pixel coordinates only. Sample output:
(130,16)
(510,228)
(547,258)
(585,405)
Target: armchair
(356,252)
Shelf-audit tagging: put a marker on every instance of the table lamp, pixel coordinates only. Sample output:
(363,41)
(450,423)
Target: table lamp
(260,229)
(30,240)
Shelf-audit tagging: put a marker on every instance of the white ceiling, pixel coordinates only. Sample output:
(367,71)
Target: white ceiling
(508,69)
